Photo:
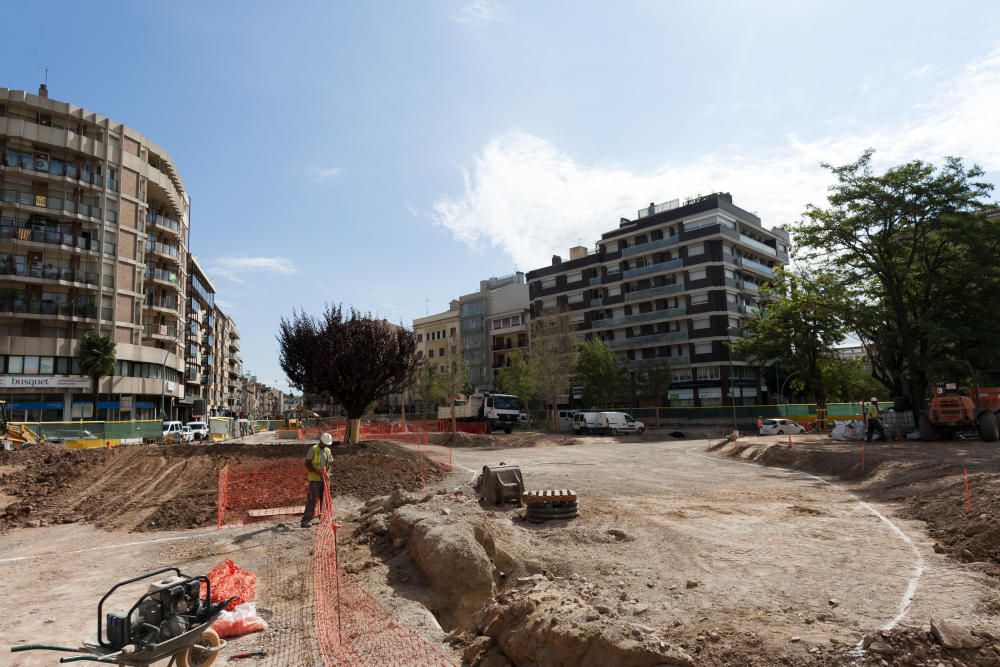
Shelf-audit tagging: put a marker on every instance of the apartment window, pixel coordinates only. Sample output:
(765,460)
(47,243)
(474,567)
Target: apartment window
(15,365)
(702,323)
(699,274)
(576,276)
(614,270)
(730,297)
(46,365)
(420,338)
(612,246)
(548,303)
(730,274)
(734,323)
(615,290)
(708,373)
(703,348)
(699,299)
(696,249)
(681,375)
(548,283)
(576,298)
(440,351)
(453,332)
(109,242)
(30,366)
(430,353)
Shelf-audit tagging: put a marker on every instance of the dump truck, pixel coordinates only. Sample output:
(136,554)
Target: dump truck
(500,412)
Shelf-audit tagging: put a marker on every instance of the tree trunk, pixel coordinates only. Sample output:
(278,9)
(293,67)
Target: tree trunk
(94,380)
(555,413)
(352,433)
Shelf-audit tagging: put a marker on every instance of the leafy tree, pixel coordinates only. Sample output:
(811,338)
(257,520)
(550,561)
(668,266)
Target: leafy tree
(452,382)
(799,326)
(517,378)
(917,259)
(552,357)
(649,385)
(355,359)
(846,381)
(97,356)
(600,372)
(425,386)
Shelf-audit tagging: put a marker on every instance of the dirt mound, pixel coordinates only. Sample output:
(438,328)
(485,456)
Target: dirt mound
(927,479)
(150,487)
(516,439)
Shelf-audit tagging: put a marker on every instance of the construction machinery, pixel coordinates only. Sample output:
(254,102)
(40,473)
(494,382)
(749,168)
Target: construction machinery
(955,408)
(172,619)
(15,436)
(497,485)
(294,417)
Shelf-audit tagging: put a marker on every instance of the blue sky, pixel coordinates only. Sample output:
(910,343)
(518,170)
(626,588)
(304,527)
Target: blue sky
(389,155)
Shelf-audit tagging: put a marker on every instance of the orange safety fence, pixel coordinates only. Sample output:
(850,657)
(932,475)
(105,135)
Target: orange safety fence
(369,430)
(351,628)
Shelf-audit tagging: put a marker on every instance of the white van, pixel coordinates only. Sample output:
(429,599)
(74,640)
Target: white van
(618,422)
(584,422)
(173,431)
(200,430)
(566,420)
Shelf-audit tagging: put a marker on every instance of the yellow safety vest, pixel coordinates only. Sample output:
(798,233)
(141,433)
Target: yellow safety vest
(872,410)
(320,458)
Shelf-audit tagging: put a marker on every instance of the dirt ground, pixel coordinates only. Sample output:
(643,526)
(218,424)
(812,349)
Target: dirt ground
(167,487)
(737,563)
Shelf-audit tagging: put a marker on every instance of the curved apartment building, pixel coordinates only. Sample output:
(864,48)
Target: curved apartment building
(94,224)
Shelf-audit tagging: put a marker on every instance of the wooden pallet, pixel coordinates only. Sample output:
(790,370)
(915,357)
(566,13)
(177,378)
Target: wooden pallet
(274,511)
(549,496)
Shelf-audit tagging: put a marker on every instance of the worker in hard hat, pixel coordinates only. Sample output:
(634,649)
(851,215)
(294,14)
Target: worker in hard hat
(319,458)
(874,423)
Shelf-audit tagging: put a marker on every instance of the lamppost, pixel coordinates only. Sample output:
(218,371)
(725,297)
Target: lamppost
(781,392)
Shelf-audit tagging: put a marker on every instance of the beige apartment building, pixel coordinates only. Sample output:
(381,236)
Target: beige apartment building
(438,337)
(94,227)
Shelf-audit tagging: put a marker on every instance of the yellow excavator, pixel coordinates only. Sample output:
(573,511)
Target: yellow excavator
(16,436)
(294,417)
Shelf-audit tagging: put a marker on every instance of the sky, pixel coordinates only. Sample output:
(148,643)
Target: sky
(389,155)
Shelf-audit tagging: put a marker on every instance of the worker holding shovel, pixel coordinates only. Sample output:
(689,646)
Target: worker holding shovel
(318,462)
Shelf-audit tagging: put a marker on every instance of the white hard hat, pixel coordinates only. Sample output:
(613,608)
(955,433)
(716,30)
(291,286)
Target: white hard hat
(874,399)
(326,439)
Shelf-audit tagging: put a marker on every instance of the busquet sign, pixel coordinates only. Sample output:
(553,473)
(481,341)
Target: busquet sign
(43,382)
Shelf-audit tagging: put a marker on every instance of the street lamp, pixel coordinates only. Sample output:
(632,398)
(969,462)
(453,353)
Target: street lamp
(781,391)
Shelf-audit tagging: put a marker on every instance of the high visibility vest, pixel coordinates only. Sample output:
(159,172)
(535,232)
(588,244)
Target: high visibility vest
(871,409)
(320,458)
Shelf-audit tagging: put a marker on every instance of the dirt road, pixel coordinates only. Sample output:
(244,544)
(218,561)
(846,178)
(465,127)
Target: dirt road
(777,553)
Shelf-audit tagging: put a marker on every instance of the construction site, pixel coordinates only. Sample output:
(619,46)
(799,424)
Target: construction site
(665,548)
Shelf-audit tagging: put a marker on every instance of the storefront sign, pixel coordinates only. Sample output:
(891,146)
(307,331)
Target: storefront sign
(43,382)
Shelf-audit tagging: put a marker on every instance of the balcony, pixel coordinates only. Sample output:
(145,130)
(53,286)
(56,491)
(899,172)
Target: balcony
(638,318)
(758,246)
(191,375)
(653,268)
(160,331)
(752,265)
(163,250)
(749,287)
(595,281)
(206,379)
(208,360)
(234,344)
(650,246)
(654,362)
(20,303)
(163,222)
(165,303)
(653,292)
(162,276)
(51,237)
(54,202)
(17,265)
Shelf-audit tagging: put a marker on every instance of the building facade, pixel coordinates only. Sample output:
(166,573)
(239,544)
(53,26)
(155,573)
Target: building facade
(487,326)
(438,336)
(669,289)
(94,227)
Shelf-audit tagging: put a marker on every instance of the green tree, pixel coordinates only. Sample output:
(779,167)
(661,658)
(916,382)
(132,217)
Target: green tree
(451,382)
(917,258)
(354,358)
(650,386)
(552,357)
(799,326)
(97,356)
(847,381)
(600,372)
(517,378)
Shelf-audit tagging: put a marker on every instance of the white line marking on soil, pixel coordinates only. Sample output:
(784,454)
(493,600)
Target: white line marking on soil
(918,559)
(14,559)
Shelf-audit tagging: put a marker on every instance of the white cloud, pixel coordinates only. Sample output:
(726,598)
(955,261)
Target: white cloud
(527,197)
(320,174)
(234,268)
(479,12)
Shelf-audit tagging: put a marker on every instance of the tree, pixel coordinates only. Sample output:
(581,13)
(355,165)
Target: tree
(425,385)
(356,359)
(799,326)
(552,356)
(452,382)
(600,372)
(649,385)
(518,379)
(917,258)
(846,381)
(97,356)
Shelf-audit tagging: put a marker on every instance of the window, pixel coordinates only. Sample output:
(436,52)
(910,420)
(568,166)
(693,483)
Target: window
(575,276)
(420,338)
(453,332)
(440,351)
(614,270)
(548,303)
(576,298)
(548,283)
(430,353)
(615,290)
(30,366)
(612,246)
(702,323)
(699,274)
(708,373)
(46,366)
(730,274)
(15,364)
(109,242)
(730,297)
(696,249)
(734,323)
(681,375)
(699,299)
(703,348)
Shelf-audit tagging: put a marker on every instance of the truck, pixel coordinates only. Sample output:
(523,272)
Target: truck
(498,411)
